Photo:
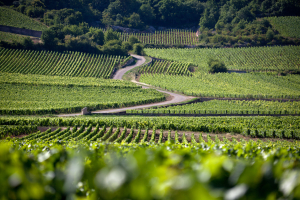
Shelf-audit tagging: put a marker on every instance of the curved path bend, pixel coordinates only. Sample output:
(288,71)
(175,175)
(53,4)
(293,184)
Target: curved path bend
(120,73)
(175,98)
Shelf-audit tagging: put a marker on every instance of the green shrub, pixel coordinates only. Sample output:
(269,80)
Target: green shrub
(138,49)
(216,66)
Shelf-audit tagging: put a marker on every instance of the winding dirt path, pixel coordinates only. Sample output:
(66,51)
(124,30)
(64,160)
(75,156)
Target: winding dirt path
(120,73)
(174,98)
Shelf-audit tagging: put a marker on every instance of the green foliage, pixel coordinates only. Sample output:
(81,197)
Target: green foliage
(133,40)
(270,34)
(135,21)
(160,139)
(63,16)
(184,140)
(138,49)
(166,67)
(127,46)
(152,139)
(223,13)
(230,107)
(98,36)
(145,137)
(9,17)
(36,99)
(129,136)
(232,85)
(137,137)
(56,63)
(27,43)
(286,26)
(216,66)
(7,130)
(110,35)
(136,166)
(249,59)
(30,79)
(11,37)
(171,37)
(73,38)
(48,38)
(203,124)
(114,47)
(147,13)
(122,136)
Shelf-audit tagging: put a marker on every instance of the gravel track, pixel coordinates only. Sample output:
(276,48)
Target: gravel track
(175,98)
(120,73)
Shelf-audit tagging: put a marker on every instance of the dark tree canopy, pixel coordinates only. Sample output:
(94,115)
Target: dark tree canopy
(171,13)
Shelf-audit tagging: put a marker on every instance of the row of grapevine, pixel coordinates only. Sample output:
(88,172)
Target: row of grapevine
(274,58)
(214,112)
(34,79)
(169,37)
(123,135)
(198,167)
(10,17)
(66,63)
(166,67)
(20,99)
(287,26)
(228,107)
(271,133)
(7,130)
(234,85)
(204,124)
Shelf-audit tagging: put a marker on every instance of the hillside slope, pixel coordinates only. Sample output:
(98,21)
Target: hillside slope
(9,17)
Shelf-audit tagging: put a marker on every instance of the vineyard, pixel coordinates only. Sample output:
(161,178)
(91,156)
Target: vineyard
(286,26)
(133,135)
(140,171)
(131,157)
(246,147)
(10,37)
(275,58)
(166,67)
(170,37)
(9,17)
(237,125)
(58,64)
(33,79)
(63,96)
(232,85)
(228,107)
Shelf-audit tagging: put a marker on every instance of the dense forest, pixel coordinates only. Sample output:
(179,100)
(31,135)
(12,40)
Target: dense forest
(141,13)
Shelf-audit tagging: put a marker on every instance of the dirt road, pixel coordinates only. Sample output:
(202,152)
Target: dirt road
(174,98)
(119,74)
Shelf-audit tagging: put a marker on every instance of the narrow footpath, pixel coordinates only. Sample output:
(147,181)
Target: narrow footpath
(174,98)
(120,73)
